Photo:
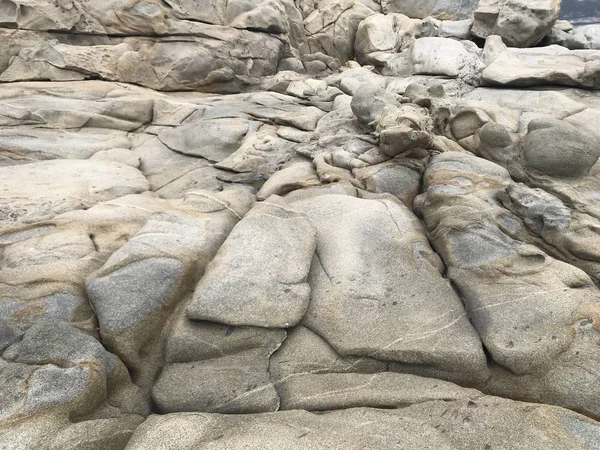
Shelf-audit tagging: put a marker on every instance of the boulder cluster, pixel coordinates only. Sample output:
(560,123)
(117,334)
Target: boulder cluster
(298,224)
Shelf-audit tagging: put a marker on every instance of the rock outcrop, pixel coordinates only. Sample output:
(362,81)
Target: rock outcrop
(268,224)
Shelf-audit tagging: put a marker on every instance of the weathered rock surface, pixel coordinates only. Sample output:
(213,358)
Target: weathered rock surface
(559,149)
(39,191)
(139,286)
(519,23)
(183,63)
(491,421)
(527,340)
(441,9)
(354,302)
(540,66)
(298,224)
(270,291)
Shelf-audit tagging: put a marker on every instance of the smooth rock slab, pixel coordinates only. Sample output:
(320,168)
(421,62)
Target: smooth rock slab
(129,294)
(305,352)
(551,65)
(325,392)
(237,383)
(39,191)
(24,144)
(377,290)
(259,276)
(214,139)
(437,425)
(197,341)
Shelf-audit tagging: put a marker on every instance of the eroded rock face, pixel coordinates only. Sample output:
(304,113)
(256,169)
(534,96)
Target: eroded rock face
(53,187)
(219,230)
(526,340)
(139,286)
(552,65)
(188,63)
(441,9)
(520,23)
(399,429)
(354,303)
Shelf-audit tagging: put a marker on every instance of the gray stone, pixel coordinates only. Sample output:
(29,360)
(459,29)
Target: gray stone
(370,101)
(385,33)
(393,306)
(574,233)
(560,149)
(457,29)
(305,352)
(237,384)
(25,144)
(197,341)
(41,190)
(442,9)
(552,65)
(443,56)
(202,61)
(326,392)
(432,425)
(520,23)
(399,177)
(261,153)
(57,343)
(214,139)
(297,176)
(100,434)
(528,317)
(127,295)
(331,28)
(569,40)
(259,276)
(140,285)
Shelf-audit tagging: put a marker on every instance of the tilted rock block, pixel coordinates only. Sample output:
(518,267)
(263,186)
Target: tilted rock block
(139,286)
(520,23)
(537,316)
(393,305)
(259,276)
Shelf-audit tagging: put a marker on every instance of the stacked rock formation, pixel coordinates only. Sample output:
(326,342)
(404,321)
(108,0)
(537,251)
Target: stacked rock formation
(270,224)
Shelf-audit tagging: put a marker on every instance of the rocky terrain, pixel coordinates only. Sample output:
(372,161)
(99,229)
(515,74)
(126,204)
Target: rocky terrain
(298,224)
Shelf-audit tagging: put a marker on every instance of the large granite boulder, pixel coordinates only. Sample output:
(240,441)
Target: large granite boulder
(537,317)
(559,149)
(388,307)
(244,286)
(441,9)
(520,23)
(136,290)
